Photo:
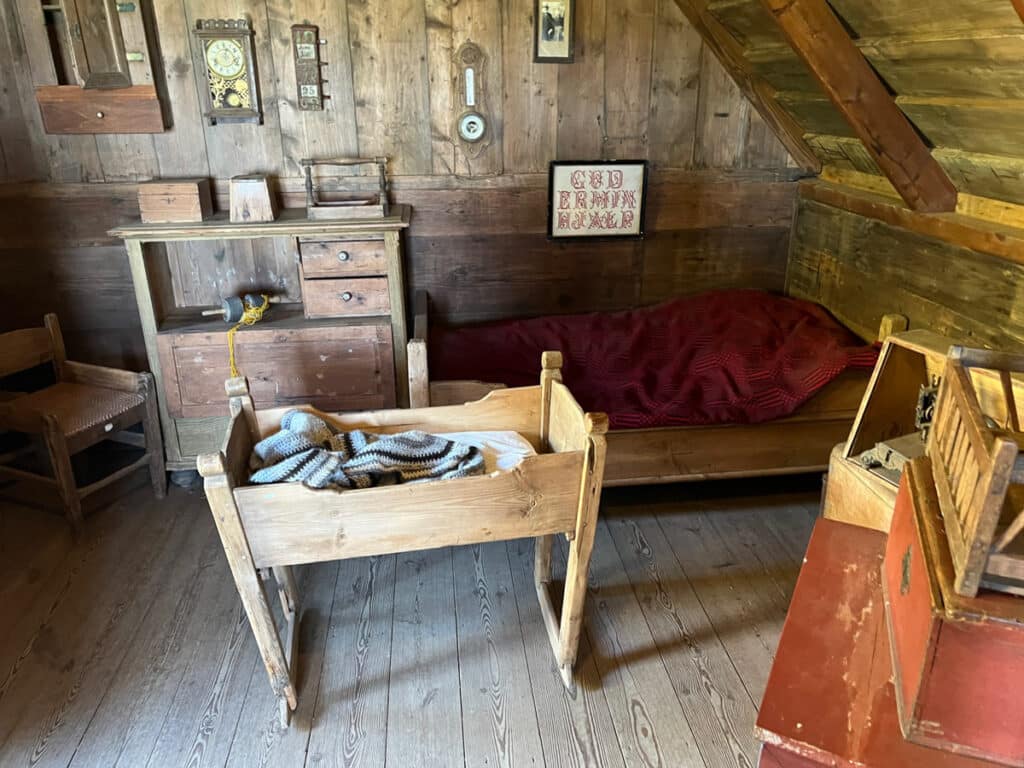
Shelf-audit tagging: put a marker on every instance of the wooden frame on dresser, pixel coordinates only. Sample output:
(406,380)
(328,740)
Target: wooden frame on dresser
(797,444)
(189,429)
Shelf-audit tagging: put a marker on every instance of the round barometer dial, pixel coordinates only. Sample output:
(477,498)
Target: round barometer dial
(472,126)
(225,58)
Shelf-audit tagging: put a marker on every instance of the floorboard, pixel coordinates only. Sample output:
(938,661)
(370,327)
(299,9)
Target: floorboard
(717,706)
(129,647)
(424,724)
(499,717)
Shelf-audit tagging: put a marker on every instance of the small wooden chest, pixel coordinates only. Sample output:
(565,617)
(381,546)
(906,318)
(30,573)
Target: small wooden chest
(170,201)
(958,662)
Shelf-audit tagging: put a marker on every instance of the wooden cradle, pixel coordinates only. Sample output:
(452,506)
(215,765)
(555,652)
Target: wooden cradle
(271,528)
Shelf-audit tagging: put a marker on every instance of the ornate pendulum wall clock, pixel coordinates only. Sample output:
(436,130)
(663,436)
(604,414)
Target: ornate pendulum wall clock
(229,62)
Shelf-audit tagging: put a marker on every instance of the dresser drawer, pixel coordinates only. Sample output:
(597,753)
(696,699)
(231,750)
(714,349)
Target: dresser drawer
(344,258)
(346,297)
(335,368)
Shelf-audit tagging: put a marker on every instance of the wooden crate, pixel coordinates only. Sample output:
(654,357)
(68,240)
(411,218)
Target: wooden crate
(958,662)
(170,201)
(829,699)
(979,473)
(909,360)
(853,493)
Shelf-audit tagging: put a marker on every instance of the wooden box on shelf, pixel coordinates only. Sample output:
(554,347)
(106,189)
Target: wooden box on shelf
(958,662)
(252,199)
(171,201)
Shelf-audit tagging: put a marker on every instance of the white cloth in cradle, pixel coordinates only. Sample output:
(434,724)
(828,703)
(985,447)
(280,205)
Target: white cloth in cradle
(502,450)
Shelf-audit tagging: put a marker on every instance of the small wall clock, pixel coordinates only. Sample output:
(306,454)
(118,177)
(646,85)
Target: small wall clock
(228,59)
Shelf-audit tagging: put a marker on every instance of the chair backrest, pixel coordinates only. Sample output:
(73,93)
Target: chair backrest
(29,347)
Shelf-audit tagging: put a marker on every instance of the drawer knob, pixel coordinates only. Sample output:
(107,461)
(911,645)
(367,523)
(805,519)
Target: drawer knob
(346,296)
(99,115)
(343,256)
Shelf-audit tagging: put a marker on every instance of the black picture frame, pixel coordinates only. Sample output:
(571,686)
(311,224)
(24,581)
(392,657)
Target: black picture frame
(557,233)
(542,53)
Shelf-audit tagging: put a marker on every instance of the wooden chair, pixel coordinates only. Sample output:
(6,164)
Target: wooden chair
(979,472)
(87,405)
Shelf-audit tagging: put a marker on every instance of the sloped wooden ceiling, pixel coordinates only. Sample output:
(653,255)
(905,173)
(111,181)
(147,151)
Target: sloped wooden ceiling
(956,70)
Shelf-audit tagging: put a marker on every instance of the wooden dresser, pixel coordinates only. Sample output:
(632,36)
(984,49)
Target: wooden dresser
(339,344)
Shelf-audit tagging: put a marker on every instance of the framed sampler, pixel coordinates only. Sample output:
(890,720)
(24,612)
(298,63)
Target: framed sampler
(597,199)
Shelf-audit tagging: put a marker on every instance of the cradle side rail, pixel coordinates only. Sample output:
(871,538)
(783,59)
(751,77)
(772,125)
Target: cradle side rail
(275,527)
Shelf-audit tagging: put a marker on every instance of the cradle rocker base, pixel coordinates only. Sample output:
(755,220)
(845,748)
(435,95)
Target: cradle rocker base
(267,530)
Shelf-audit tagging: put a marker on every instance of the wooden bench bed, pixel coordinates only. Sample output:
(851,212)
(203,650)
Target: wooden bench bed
(797,444)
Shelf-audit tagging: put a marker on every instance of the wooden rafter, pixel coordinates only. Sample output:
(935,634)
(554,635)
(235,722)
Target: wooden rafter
(1019,6)
(819,38)
(757,90)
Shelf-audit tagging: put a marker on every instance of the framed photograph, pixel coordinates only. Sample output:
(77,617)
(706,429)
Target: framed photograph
(600,199)
(554,27)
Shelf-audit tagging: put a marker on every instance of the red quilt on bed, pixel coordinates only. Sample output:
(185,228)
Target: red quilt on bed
(725,357)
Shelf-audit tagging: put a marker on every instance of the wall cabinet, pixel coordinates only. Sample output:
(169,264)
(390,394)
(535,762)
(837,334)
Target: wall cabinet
(341,349)
(102,74)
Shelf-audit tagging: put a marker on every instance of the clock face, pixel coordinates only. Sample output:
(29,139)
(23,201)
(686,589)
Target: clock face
(225,58)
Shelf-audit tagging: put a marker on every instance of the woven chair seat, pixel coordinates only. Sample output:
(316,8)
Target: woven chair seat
(79,407)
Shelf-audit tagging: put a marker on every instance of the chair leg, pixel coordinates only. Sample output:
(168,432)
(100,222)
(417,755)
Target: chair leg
(154,443)
(63,474)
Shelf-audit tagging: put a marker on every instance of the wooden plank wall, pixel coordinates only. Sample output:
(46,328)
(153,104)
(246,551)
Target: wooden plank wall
(643,86)
(861,268)
(481,252)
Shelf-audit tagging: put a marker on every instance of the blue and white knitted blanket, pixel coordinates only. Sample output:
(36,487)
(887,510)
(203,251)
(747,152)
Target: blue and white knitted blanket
(308,450)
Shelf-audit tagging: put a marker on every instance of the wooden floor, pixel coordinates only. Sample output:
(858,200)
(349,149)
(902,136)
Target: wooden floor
(130,648)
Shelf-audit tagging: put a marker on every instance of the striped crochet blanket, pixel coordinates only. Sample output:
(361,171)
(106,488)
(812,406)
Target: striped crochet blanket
(308,450)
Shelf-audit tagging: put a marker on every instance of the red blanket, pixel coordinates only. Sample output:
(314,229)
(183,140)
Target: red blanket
(725,357)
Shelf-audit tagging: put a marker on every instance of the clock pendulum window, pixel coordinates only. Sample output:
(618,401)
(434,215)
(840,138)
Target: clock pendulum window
(228,60)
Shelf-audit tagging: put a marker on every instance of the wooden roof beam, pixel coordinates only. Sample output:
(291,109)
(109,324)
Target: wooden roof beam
(757,91)
(819,38)
(1019,6)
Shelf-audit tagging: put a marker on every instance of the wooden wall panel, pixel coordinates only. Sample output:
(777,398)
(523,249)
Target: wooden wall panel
(581,87)
(481,252)
(529,140)
(675,88)
(861,268)
(388,39)
(642,85)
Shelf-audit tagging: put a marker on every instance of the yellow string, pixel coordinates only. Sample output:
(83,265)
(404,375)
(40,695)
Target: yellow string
(250,316)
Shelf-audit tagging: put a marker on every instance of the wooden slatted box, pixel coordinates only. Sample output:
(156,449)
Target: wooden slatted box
(958,663)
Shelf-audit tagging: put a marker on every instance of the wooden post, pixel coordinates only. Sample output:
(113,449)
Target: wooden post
(582,545)
(551,371)
(154,445)
(219,492)
(892,324)
(64,475)
(60,356)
